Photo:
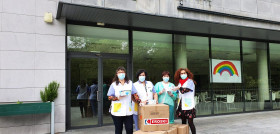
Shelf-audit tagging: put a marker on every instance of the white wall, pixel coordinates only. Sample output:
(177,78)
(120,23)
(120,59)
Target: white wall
(262,9)
(32,54)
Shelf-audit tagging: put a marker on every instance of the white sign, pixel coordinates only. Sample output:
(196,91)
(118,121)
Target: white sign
(226,71)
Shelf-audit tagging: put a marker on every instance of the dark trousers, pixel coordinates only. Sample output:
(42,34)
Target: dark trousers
(83,106)
(120,120)
(93,104)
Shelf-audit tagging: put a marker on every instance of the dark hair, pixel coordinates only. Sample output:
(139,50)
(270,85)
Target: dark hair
(178,73)
(94,81)
(107,81)
(116,79)
(83,83)
(165,73)
(140,71)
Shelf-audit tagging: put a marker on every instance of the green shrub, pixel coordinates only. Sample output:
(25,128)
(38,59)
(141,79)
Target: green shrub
(19,102)
(50,93)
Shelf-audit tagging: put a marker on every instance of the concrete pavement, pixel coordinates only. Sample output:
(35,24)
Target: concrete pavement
(265,122)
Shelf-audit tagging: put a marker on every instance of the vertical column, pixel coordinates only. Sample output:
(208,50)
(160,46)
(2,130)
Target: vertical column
(263,85)
(130,58)
(100,92)
(180,48)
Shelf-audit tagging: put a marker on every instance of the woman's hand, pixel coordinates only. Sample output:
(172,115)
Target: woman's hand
(120,97)
(113,98)
(162,91)
(184,90)
(176,88)
(144,102)
(170,93)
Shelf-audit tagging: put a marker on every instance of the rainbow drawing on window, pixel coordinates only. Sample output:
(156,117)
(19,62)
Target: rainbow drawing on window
(225,66)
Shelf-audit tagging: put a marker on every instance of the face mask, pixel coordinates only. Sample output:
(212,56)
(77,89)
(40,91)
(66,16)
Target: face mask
(121,76)
(142,78)
(184,76)
(165,79)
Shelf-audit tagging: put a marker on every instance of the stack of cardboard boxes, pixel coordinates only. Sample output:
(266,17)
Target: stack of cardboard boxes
(154,119)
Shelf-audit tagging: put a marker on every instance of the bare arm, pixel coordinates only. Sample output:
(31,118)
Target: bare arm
(156,97)
(113,98)
(135,98)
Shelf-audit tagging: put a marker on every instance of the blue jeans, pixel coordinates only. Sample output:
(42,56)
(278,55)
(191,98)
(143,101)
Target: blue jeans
(93,104)
(135,118)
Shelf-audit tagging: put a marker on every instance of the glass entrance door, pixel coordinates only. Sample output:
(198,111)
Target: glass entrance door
(93,53)
(90,79)
(84,89)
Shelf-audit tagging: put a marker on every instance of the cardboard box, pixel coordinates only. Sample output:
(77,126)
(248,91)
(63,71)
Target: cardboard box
(154,132)
(153,117)
(172,130)
(174,125)
(183,129)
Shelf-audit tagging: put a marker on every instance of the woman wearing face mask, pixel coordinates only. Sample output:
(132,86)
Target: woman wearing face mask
(186,88)
(145,90)
(120,93)
(166,95)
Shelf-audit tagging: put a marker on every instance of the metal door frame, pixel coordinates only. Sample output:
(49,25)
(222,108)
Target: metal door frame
(99,57)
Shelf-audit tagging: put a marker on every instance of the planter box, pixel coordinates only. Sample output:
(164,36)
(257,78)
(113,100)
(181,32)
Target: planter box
(25,108)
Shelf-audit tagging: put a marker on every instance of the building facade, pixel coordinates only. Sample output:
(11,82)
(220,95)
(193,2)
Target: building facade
(89,39)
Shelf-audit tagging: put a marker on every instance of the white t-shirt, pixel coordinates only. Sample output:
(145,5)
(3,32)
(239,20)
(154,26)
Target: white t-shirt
(121,107)
(187,99)
(82,95)
(144,92)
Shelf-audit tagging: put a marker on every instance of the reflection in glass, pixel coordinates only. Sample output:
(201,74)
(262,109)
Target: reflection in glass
(152,52)
(84,74)
(193,52)
(98,40)
(274,50)
(227,97)
(255,75)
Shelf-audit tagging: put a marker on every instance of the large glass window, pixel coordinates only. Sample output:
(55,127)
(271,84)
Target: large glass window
(86,105)
(227,95)
(255,75)
(193,52)
(84,73)
(275,74)
(152,52)
(157,52)
(96,39)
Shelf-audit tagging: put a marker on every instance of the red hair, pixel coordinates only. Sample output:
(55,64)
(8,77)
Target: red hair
(177,76)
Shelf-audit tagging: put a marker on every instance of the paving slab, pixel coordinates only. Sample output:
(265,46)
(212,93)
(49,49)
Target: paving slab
(265,122)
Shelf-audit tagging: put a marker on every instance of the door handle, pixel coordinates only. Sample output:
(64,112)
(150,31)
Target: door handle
(97,93)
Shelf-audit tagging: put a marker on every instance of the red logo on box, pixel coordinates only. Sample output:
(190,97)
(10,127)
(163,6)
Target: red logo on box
(158,121)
